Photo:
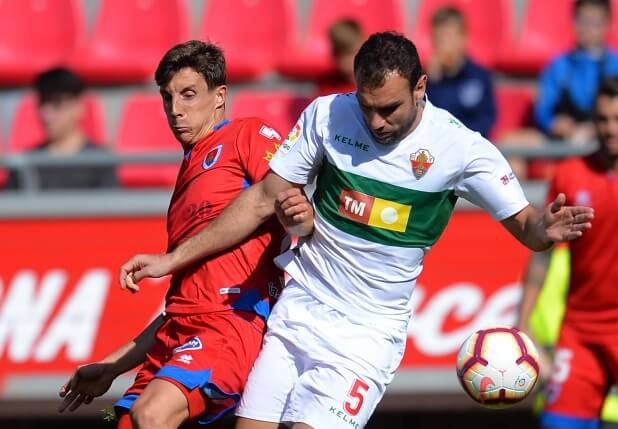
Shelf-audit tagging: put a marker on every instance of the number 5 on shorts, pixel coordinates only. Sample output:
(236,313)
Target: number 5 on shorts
(353,406)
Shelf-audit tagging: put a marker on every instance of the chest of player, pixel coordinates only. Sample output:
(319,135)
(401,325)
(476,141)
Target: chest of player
(392,194)
(599,191)
(208,180)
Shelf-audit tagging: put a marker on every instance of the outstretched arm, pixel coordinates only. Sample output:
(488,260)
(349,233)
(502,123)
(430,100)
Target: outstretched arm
(94,379)
(539,230)
(239,219)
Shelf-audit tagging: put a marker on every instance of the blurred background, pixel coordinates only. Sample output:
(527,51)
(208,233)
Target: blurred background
(87,165)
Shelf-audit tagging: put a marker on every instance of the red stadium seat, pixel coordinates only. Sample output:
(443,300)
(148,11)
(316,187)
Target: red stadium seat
(310,56)
(129,39)
(143,128)
(514,104)
(486,20)
(613,32)
(546,32)
(27,133)
(280,108)
(256,39)
(36,35)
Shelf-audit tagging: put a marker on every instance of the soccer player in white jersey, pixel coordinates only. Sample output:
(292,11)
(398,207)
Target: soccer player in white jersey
(389,168)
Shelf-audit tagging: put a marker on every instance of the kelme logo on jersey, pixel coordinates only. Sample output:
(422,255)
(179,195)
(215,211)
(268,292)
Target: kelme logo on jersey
(212,157)
(374,211)
(421,160)
(193,344)
(290,141)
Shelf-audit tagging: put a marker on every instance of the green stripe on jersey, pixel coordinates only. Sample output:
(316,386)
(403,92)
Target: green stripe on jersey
(381,212)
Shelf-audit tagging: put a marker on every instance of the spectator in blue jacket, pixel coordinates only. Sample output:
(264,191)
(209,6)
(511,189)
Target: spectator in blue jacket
(456,83)
(568,85)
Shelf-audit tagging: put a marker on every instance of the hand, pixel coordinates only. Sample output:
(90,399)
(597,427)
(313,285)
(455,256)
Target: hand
(88,382)
(143,266)
(565,223)
(294,212)
(545,365)
(563,127)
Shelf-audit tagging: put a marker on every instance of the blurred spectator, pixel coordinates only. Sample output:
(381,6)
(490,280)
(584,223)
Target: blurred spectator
(61,107)
(568,86)
(346,37)
(456,83)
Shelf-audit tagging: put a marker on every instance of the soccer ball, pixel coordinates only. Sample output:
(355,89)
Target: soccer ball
(498,367)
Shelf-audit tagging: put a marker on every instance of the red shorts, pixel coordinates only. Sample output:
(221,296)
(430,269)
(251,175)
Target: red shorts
(207,356)
(582,375)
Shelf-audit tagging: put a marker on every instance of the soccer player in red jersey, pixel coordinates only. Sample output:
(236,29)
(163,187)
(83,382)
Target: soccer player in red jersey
(586,357)
(197,355)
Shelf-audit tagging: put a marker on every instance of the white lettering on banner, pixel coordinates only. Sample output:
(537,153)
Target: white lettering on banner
(463,301)
(357,207)
(78,321)
(23,312)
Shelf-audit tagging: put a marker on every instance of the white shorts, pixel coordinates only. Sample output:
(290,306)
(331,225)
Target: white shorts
(318,367)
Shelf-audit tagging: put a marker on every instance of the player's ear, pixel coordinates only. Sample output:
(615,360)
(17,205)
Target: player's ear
(220,95)
(419,89)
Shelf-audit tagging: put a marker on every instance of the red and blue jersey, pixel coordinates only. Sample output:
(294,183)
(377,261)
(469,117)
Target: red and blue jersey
(231,158)
(592,301)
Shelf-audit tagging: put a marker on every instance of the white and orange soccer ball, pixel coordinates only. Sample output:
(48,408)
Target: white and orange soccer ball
(498,367)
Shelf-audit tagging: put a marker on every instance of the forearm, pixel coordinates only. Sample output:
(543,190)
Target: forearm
(248,211)
(134,352)
(532,284)
(239,219)
(528,227)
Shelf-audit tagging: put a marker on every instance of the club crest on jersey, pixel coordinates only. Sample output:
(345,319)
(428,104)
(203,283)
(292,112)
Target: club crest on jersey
(212,157)
(193,344)
(421,161)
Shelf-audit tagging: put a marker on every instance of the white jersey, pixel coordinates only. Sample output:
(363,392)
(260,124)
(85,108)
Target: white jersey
(380,208)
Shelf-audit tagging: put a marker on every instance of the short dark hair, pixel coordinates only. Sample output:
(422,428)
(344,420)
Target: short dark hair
(604,4)
(205,58)
(384,53)
(608,87)
(448,14)
(56,83)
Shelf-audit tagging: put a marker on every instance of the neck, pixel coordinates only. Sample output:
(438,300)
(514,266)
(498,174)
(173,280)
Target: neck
(69,144)
(610,162)
(216,118)
(453,67)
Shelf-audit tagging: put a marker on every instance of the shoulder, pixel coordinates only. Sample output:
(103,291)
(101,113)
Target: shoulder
(557,63)
(255,126)
(574,167)
(445,125)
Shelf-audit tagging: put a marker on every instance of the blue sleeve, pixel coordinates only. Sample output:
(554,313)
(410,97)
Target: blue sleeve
(549,95)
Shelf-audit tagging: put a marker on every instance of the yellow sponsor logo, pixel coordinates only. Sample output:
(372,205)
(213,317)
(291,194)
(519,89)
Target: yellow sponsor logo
(389,215)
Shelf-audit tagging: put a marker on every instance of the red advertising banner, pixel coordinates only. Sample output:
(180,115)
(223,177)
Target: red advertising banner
(61,305)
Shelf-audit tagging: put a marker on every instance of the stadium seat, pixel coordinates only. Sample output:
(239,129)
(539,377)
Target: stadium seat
(547,31)
(143,128)
(487,21)
(280,108)
(309,56)
(256,40)
(613,32)
(26,131)
(514,105)
(129,39)
(36,35)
